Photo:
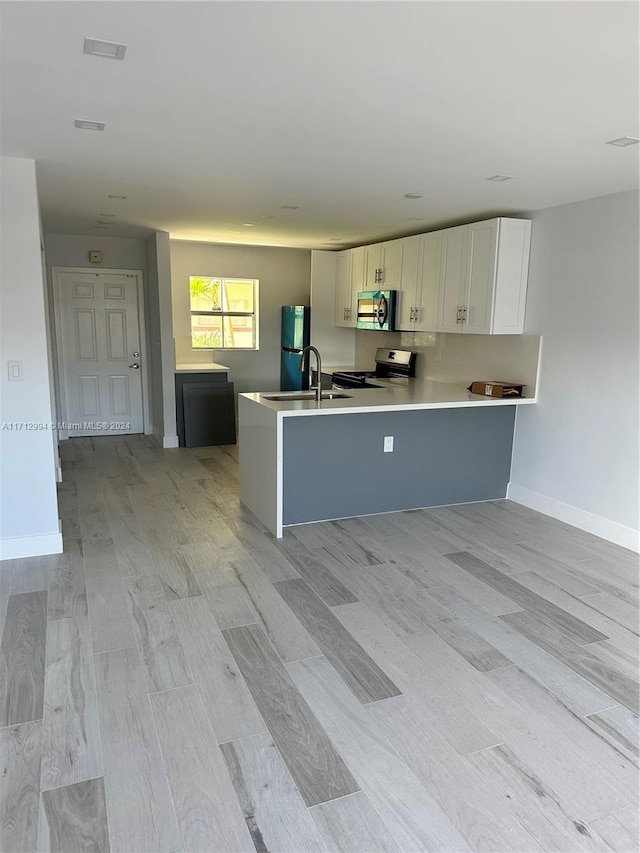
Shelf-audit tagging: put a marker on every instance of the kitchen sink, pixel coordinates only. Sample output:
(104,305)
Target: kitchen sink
(306,395)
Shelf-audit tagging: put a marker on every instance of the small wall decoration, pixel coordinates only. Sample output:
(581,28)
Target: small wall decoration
(95,257)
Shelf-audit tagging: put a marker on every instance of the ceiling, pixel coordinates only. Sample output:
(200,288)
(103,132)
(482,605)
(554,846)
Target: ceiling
(225,115)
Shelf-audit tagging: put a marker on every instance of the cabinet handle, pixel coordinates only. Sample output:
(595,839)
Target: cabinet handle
(411,316)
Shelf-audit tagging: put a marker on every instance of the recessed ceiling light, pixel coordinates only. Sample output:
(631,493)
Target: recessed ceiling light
(623,141)
(499,178)
(122,197)
(289,207)
(82,124)
(247,224)
(108,49)
(335,240)
(413,195)
(107,214)
(100,222)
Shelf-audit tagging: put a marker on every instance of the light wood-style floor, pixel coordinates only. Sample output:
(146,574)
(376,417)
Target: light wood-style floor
(461,678)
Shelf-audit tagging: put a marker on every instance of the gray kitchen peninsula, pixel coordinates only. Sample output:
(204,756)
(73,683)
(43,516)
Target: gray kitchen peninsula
(304,461)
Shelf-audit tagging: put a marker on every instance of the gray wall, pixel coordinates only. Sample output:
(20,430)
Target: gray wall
(72,250)
(284,276)
(579,445)
(28,506)
(160,338)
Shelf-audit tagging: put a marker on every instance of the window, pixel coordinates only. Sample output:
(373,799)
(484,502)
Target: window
(224,313)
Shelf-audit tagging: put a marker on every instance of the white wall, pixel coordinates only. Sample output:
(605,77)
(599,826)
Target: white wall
(160,346)
(28,502)
(284,276)
(576,452)
(463,358)
(118,253)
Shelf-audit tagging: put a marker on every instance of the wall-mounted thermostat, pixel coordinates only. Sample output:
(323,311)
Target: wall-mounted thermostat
(95,257)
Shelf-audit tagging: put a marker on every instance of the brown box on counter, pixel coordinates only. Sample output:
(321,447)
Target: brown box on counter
(497,389)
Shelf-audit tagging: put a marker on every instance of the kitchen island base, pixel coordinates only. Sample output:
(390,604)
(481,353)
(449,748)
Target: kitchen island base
(295,470)
(335,467)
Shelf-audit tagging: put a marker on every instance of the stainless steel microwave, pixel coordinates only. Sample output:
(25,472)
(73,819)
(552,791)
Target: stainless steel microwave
(377,310)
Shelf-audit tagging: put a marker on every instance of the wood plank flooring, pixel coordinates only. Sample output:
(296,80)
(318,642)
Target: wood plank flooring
(460,678)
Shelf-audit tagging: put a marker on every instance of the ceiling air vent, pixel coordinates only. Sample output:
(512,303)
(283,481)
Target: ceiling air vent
(82,124)
(108,49)
(623,141)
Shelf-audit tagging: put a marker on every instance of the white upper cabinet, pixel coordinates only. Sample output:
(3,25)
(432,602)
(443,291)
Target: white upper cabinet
(407,292)
(417,307)
(453,278)
(349,282)
(428,290)
(483,277)
(383,265)
(343,288)
(472,278)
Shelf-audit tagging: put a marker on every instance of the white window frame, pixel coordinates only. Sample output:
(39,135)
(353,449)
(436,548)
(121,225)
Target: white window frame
(222,313)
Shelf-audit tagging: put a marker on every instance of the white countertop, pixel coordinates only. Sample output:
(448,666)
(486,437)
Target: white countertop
(201,368)
(397,395)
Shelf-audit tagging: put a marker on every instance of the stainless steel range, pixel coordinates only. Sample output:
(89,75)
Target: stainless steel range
(390,364)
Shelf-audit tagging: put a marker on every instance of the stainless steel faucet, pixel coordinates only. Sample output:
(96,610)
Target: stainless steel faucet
(318,386)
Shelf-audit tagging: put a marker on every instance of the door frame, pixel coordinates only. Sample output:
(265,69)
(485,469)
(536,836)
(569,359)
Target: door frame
(56,272)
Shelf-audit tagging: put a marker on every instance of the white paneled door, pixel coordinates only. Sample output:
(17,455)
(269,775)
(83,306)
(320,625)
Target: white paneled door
(99,347)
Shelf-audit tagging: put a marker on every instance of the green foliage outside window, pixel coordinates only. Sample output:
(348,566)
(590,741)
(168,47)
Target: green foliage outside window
(223,313)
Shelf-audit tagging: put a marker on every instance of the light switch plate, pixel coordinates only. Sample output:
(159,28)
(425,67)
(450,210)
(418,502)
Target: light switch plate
(15,371)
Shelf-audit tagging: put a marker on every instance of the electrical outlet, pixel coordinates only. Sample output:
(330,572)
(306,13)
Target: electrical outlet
(388,444)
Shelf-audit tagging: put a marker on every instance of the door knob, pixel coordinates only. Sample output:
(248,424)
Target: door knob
(135,365)
(136,354)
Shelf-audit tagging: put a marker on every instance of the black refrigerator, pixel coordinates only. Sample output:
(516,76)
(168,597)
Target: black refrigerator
(295,335)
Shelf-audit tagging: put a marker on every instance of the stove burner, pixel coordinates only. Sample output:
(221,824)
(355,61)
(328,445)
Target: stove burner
(390,364)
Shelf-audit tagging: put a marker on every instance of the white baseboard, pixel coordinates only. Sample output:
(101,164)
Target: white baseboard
(16,547)
(169,441)
(621,535)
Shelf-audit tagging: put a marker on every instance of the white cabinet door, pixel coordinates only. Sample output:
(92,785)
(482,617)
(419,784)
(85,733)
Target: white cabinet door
(372,266)
(428,290)
(357,281)
(391,264)
(510,289)
(483,279)
(453,278)
(343,289)
(383,265)
(407,303)
(481,261)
